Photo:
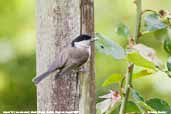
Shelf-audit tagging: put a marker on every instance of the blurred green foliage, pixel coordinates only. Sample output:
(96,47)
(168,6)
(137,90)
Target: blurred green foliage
(17,58)
(17,51)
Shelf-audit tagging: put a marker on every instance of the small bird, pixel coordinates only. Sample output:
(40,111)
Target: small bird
(70,58)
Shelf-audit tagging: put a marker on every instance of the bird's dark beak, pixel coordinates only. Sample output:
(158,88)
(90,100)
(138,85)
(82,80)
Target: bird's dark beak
(93,39)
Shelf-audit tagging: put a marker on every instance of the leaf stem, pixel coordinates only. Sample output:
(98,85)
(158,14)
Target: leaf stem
(128,78)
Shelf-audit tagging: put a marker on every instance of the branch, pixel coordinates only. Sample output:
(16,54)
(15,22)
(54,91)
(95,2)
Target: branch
(128,79)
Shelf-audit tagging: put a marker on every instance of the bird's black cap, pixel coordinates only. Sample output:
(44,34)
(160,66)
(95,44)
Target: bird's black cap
(80,38)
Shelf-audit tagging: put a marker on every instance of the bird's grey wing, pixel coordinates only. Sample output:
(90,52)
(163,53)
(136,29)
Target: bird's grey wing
(60,61)
(77,58)
(67,68)
(58,64)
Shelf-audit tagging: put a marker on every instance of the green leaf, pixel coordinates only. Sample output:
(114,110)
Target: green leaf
(157,39)
(138,60)
(159,105)
(149,54)
(144,107)
(153,22)
(136,95)
(109,47)
(154,38)
(167,41)
(169,31)
(122,30)
(169,63)
(167,45)
(114,78)
(132,107)
(139,101)
(142,73)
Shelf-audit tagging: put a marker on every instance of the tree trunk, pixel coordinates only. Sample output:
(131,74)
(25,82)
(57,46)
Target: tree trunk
(58,23)
(88,99)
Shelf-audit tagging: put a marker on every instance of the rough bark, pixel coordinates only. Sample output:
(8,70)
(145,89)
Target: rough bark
(88,99)
(58,23)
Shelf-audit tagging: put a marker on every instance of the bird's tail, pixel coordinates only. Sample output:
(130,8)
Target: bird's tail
(39,78)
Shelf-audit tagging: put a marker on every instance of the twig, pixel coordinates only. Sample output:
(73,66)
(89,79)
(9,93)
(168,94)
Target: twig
(128,79)
(138,20)
(121,85)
